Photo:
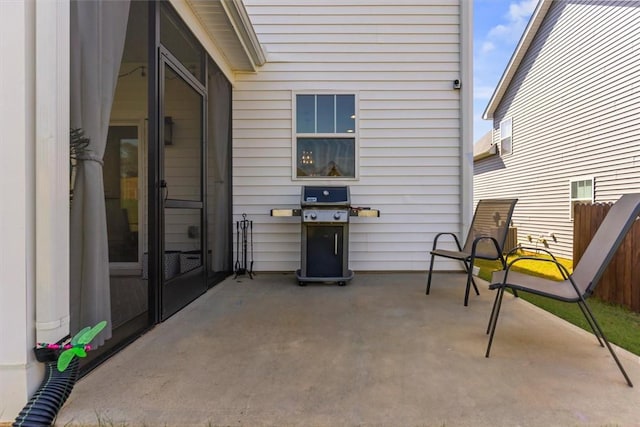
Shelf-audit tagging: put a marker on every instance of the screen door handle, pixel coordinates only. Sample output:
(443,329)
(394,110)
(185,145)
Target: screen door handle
(165,189)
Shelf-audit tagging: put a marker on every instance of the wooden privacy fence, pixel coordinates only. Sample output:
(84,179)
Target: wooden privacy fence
(620,283)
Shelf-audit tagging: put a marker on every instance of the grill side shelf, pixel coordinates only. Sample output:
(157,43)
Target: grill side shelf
(364,212)
(286,212)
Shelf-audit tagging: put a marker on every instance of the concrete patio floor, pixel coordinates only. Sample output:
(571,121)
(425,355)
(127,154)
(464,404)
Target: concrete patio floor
(378,352)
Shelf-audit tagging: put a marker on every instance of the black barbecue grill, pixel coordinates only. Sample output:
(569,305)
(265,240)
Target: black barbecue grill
(325,213)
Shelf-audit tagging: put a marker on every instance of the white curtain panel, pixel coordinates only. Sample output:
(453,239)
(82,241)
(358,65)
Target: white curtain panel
(98,30)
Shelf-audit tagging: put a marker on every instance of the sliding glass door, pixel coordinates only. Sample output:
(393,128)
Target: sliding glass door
(166,176)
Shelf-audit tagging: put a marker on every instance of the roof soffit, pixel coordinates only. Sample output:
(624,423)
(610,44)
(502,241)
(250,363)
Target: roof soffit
(227,25)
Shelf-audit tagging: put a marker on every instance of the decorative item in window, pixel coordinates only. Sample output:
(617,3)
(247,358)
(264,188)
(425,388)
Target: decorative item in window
(306,158)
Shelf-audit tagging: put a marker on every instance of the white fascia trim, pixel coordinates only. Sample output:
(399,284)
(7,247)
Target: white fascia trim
(239,18)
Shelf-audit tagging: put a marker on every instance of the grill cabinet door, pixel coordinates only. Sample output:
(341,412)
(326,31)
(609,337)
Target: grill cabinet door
(324,251)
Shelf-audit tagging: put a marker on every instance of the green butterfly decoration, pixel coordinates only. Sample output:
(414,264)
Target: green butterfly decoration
(79,345)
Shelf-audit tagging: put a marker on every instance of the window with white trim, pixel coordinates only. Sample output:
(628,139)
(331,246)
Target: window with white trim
(506,130)
(580,191)
(325,136)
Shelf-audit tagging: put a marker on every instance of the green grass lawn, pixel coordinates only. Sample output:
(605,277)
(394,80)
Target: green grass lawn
(620,325)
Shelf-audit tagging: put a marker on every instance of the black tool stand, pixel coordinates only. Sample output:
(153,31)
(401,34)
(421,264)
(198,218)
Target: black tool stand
(244,237)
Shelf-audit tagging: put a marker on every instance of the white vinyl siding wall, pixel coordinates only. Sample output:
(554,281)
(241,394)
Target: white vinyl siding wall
(400,60)
(575,106)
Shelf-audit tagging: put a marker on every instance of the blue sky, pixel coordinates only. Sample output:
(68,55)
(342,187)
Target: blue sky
(497,27)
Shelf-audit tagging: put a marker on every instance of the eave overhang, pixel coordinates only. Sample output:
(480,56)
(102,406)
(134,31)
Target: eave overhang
(225,30)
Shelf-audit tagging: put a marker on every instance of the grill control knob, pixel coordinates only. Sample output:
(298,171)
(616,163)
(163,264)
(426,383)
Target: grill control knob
(336,215)
(313,215)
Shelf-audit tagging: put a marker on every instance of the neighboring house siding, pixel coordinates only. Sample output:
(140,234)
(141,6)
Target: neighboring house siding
(574,104)
(400,61)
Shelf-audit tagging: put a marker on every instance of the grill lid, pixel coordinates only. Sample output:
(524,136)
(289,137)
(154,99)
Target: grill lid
(325,196)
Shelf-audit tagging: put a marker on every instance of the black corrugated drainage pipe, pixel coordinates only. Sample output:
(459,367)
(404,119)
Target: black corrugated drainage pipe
(61,373)
(42,409)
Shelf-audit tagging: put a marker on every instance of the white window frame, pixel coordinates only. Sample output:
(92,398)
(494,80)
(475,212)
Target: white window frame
(573,200)
(504,152)
(295,135)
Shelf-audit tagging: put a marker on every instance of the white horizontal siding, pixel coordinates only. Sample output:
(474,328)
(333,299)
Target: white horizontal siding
(400,60)
(574,104)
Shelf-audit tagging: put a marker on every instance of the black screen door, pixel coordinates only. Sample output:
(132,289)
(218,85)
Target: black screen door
(183,107)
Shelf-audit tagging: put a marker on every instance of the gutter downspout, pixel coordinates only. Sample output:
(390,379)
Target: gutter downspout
(52,55)
(50,208)
(466,116)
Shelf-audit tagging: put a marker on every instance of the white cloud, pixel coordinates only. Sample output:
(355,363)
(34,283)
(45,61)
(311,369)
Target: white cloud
(487,47)
(498,31)
(522,10)
(517,19)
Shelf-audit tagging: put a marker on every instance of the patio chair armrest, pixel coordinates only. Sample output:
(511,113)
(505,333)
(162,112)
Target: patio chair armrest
(534,249)
(435,240)
(513,251)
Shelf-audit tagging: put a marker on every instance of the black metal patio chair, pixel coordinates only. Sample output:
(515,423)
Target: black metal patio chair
(485,239)
(578,286)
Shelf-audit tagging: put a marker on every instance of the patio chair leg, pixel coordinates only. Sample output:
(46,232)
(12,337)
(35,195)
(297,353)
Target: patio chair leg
(595,323)
(473,282)
(466,291)
(504,267)
(470,281)
(493,310)
(469,269)
(494,322)
(590,322)
(429,276)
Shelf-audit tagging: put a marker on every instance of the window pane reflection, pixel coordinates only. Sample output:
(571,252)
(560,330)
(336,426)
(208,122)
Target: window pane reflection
(345,113)
(120,177)
(183,243)
(183,149)
(306,113)
(326,114)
